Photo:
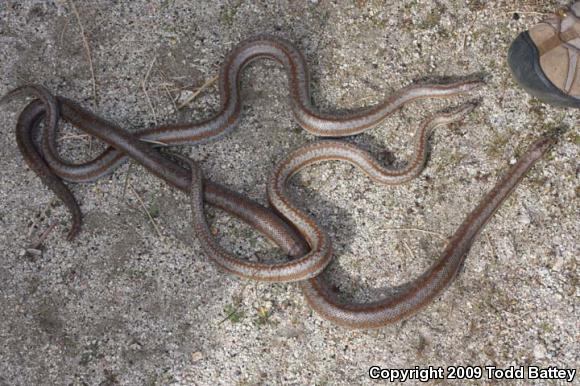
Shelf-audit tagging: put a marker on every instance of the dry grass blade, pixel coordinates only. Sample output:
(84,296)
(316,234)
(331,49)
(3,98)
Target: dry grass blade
(88,50)
(144,88)
(164,85)
(491,245)
(151,219)
(127,177)
(34,248)
(203,87)
(154,142)
(409,250)
(43,236)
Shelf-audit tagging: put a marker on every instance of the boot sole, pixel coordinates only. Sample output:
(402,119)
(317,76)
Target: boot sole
(524,62)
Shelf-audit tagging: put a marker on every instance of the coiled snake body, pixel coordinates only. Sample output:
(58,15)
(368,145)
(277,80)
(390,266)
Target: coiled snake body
(295,232)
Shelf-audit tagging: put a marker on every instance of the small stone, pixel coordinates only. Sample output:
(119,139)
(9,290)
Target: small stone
(183,96)
(539,351)
(524,219)
(196,356)
(558,263)
(33,251)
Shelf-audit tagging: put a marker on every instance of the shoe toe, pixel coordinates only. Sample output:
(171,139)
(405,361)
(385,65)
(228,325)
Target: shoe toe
(524,62)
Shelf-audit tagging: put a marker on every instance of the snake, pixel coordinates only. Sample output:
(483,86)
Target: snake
(254,214)
(227,118)
(318,293)
(418,293)
(320,252)
(53,169)
(296,233)
(411,297)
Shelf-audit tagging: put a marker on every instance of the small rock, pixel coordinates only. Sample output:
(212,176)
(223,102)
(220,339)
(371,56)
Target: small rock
(524,219)
(183,96)
(539,351)
(196,356)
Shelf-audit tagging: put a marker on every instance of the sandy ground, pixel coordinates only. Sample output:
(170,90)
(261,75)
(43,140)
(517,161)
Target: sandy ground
(128,304)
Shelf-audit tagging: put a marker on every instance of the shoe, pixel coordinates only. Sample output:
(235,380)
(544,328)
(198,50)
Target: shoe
(545,60)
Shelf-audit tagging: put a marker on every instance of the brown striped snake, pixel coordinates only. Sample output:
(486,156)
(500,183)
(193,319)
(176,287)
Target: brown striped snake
(295,232)
(320,254)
